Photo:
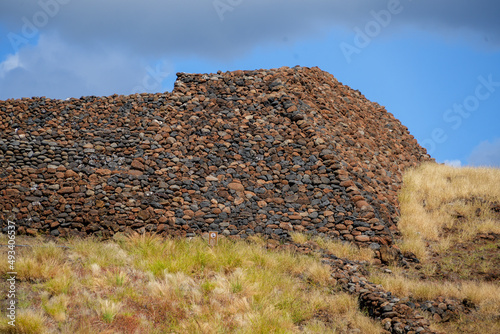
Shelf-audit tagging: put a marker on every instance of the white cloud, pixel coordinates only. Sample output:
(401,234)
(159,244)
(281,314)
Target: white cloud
(453,163)
(486,154)
(59,70)
(10,63)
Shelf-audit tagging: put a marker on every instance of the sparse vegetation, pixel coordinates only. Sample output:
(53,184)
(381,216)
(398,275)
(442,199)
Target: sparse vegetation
(339,248)
(442,205)
(28,321)
(148,284)
(400,283)
(450,221)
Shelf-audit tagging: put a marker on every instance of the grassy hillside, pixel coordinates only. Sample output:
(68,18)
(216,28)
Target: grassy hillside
(450,221)
(145,284)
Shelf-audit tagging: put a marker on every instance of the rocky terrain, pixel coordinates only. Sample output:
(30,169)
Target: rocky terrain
(398,315)
(244,152)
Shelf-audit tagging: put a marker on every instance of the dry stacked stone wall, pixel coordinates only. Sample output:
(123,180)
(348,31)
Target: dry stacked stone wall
(243,152)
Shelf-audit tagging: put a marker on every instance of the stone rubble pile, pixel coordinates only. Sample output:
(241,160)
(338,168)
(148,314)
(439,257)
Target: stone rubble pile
(243,152)
(398,315)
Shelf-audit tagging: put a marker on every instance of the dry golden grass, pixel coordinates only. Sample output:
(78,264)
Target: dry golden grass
(442,206)
(300,238)
(55,306)
(483,294)
(445,205)
(28,321)
(338,248)
(147,284)
(473,323)
(45,261)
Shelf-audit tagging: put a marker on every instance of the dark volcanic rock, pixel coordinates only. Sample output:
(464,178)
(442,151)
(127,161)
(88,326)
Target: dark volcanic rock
(265,151)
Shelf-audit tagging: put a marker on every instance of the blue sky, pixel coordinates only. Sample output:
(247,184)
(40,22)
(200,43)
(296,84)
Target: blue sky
(434,64)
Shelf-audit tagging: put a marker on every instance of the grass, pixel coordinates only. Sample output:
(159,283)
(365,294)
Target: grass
(478,259)
(443,205)
(480,293)
(471,324)
(484,295)
(148,284)
(28,321)
(108,310)
(55,306)
(339,248)
(443,209)
(43,263)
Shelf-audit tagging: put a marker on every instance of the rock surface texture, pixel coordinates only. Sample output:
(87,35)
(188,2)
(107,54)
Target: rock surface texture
(244,152)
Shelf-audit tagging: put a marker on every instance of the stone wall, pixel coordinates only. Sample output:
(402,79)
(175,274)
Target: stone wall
(244,152)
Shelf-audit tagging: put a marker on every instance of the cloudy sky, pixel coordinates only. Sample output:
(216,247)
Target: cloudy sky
(434,64)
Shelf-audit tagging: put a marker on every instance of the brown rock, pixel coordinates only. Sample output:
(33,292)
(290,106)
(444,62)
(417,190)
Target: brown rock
(388,254)
(189,213)
(362,238)
(102,171)
(291,198)
(262,204)
(378,227)
(236,186)
(31,231)
(11,192)
(136,164)
(347,183)
(135,172)
(361,204)
(69,173)
(239,201)
(143,214)
(65,190)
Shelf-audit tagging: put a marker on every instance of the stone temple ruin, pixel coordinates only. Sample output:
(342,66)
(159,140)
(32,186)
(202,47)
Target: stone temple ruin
(245,152)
